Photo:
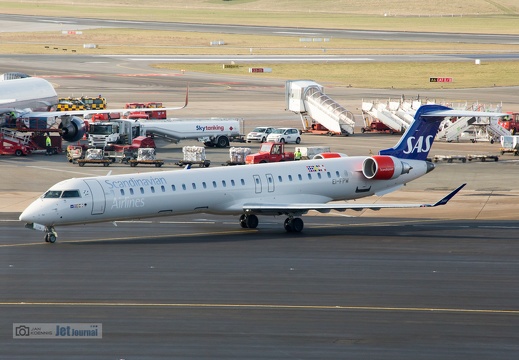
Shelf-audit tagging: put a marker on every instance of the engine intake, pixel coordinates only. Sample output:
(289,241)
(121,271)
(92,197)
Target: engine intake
(382,167)
(329,155)
(72,129)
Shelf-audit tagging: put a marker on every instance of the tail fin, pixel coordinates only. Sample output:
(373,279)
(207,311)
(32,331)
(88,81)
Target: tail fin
(418,139)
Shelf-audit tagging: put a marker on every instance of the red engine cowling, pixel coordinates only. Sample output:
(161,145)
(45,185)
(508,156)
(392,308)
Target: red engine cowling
(382,167)
(329,155)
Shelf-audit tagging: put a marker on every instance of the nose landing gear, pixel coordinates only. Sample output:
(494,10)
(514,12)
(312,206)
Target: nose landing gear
(50,235)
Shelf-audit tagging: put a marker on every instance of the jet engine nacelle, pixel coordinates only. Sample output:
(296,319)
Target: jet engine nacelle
(383,167)
(329,155)
(72,128)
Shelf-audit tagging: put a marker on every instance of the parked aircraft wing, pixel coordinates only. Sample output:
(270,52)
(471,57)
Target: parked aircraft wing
(302,208)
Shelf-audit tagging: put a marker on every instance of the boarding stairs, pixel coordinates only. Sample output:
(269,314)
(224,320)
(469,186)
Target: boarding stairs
(308,99)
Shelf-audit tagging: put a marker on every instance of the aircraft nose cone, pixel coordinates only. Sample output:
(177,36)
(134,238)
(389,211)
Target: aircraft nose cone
(33,212)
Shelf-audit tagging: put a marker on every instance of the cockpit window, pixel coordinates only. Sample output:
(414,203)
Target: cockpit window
(70,194)
(52,194)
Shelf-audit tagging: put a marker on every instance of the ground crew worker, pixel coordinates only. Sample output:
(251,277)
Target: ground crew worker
(297,154)
(48,144)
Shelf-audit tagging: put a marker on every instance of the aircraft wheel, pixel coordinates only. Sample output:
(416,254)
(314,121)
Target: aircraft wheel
(47,237)
(288,225)
(252,221)
(52,238)
(297,224)
(243,222)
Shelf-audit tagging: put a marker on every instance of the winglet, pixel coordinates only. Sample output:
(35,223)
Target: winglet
(449,196)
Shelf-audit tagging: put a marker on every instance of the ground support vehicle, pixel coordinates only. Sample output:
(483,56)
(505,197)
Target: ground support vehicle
(12,144)
(510,122)
(482,158)
(150,110)
(146,157)
(94,156)
(377,126)
(82,103)
(509,144)
(194,155)
(237,156)
(450,158)
(76,152)
(214,132)
(270,152)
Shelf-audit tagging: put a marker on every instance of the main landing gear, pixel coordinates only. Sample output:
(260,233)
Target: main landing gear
(50,235)
(292,224)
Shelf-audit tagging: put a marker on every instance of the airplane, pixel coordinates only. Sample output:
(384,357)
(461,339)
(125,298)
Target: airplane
(289,188)
(33,97)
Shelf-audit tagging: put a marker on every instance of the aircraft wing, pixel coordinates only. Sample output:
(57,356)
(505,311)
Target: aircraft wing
(302,208)
(105,111)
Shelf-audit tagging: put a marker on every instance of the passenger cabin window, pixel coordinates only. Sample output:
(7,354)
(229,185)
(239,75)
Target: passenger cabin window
(70,194)
(162,188)
(299,177)
(242,182)
(224,184)
(193,185)
(309,176)
(153,189)
(204,185)
(232,183)
(280,179)
(173,188)
(289,177)
(214,184)
(142,190)
(131,191)
(122,192)
(52,194)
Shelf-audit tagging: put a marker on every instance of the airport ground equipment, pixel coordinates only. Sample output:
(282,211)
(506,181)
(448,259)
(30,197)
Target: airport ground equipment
(13,144)
(146,156)
(237,155)
(510,122)
(194,155)
(319,113)
(270,152)
(509,144)
(94,157)
(149,110)
(81,103)
(214,132)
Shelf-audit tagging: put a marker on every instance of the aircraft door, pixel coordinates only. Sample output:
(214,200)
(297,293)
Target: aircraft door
(98,196)
(270,182)
(257,183)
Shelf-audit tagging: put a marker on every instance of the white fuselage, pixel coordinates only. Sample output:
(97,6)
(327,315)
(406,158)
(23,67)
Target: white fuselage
(222,190)
(31,92)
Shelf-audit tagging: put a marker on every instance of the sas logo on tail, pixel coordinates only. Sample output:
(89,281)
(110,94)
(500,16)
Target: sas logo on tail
(421,144)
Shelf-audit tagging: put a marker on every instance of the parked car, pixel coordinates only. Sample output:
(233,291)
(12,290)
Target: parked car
(285,135)
(259,133)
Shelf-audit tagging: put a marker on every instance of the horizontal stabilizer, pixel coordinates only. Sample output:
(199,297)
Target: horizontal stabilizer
(460,113)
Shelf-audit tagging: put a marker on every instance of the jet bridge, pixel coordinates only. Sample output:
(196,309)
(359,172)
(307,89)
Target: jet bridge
(319,113)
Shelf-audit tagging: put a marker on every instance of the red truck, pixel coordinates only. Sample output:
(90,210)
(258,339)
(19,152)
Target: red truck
(270,152)
(510,122)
